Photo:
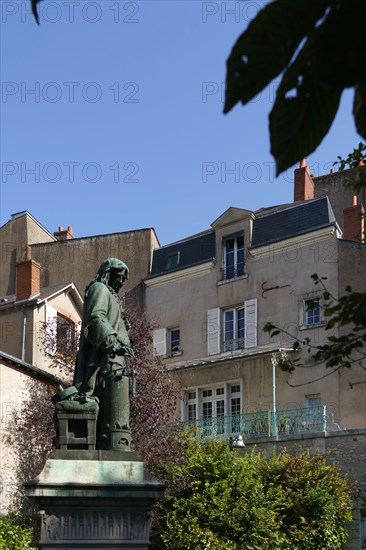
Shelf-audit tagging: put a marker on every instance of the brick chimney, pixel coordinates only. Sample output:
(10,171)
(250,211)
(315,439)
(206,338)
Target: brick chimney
(64,234)
(354,222)
(303,183)
(28,277)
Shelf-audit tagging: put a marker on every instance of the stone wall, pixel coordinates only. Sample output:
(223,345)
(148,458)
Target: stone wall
(348,450)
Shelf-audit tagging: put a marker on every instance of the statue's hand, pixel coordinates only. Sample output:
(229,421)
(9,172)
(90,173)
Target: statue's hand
(111,346)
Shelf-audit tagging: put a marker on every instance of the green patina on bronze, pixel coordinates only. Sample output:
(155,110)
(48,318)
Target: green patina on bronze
(101,374)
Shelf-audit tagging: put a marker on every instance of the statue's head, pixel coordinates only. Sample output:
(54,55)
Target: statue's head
(113,272)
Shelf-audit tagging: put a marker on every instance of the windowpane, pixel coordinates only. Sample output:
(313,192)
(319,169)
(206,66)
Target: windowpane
(235,389)
(207,409)
(192,411)
(174,339)
(235,405)
(192,395)
(220,391)
(312,312)
(173,261)
(233,257)
(229,325)
(207,393)
(220,408)
(240,323)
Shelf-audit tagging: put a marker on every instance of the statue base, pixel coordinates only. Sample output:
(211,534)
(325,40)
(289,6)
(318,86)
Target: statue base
(93,499)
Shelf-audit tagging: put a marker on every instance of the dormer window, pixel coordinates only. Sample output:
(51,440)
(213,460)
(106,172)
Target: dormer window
(173,260)
(233,257)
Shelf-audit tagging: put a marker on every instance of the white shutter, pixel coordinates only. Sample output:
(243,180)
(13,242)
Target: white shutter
(51,330)
(160,341)
(251,323)
(213,331)
(78,333)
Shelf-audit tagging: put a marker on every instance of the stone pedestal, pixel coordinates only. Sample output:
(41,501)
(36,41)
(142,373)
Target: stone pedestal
(100,501)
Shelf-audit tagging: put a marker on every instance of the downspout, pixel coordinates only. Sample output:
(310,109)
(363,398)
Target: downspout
(23,334)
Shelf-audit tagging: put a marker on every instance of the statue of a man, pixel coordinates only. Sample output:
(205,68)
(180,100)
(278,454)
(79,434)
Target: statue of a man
(100,369)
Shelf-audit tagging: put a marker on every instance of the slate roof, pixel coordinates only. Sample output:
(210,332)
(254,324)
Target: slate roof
(272,224)
(187,252)
(296,220)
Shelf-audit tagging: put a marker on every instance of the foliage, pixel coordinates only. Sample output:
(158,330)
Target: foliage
(355,160)
(34,9)
(347,312)
(13,536)
(317,46)
(29,433)
(157,391)
(222,500)
(59,342)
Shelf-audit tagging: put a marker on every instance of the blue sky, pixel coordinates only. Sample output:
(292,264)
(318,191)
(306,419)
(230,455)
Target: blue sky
(111,118)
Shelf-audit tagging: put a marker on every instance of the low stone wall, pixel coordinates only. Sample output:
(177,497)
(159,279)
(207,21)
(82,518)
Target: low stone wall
(348,450)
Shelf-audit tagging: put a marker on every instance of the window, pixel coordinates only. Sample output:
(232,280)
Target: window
(66,336)
(312,312)
(234,323)
(167,341)
(61,334)
(215,409)
(239,327)
(174,340)
(233,257)
(173,260)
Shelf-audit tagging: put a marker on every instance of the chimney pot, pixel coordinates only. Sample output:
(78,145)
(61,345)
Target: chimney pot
(303,163)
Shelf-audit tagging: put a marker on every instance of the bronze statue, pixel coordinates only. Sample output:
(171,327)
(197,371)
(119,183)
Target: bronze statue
(101,374)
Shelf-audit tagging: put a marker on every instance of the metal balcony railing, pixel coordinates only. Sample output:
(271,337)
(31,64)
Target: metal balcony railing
(235,344)
(232,271)
(266,423)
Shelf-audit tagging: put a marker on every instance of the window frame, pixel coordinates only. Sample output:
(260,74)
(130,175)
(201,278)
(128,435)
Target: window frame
(236,272)
(228,400)
(237,340)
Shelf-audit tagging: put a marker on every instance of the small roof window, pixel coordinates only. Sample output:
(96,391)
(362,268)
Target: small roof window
(173,260)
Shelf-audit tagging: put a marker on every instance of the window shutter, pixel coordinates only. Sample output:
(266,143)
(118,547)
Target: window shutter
(160,341)
(251,323)
(77,334)
(213,331)
(51,330)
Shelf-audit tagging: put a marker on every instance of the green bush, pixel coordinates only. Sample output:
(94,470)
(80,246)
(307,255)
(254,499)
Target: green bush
(220,500)
(13,536)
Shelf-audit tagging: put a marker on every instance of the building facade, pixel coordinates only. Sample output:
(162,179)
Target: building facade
(214,292)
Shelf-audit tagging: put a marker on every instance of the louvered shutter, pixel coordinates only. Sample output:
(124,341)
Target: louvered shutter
(251,323)
(160,341)
(213,331)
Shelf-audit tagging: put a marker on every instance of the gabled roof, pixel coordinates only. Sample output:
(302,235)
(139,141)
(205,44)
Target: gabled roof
(45,294)
(33,219)
(296,220)
(231,215)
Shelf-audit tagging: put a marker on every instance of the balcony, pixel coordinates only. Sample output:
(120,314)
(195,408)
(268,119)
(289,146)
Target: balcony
(266,423)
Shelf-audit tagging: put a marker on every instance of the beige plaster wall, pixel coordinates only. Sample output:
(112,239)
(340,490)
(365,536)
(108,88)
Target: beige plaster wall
(14,237)
(78,260)
(185,303)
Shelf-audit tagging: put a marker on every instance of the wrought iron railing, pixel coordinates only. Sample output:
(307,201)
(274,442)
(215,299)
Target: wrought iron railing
(233,271)
(235,344)
(266,423)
